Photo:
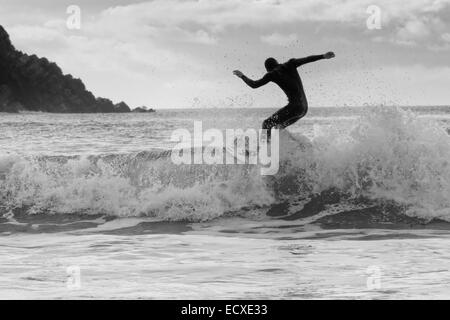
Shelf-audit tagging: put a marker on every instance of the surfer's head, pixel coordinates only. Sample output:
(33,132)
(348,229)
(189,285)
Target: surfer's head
(270,64)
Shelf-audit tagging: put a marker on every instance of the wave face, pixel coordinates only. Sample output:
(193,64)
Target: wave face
(389,155)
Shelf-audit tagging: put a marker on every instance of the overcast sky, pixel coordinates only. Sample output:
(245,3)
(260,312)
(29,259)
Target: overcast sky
(180,53)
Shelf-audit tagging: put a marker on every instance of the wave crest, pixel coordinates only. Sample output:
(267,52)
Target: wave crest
(389,154)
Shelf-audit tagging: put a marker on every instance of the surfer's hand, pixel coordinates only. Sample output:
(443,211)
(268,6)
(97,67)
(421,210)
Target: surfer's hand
(329,55)
(237,73)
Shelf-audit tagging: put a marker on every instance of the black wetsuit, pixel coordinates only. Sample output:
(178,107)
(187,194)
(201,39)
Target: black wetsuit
(287,78)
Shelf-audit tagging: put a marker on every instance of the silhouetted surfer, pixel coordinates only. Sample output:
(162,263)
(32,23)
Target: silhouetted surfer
(287,78)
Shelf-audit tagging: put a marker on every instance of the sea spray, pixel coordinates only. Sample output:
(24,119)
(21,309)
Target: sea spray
(390,154)
(387,155)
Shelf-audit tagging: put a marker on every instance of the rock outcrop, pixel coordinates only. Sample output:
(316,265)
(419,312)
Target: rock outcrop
(142,109)
(122,107)
(28,82)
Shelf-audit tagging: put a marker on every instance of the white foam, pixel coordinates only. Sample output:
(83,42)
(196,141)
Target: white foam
(390,154)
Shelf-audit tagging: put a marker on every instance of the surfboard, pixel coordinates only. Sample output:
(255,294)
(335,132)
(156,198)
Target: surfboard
(287,140)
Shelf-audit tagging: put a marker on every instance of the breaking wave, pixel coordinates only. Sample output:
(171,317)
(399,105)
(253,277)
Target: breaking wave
(389,155)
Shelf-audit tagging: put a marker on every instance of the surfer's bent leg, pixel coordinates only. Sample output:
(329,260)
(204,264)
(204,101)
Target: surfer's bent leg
(284,117)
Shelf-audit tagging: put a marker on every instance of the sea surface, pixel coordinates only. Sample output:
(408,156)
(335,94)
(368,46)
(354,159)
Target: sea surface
(93,206)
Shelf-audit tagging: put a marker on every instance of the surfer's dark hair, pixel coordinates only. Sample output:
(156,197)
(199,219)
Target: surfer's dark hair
(270,64)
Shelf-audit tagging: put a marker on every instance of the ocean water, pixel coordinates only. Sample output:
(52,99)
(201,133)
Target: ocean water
(92,206)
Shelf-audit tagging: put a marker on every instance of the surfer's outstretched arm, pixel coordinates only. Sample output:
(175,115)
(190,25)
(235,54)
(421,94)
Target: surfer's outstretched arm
(253,83)
(302,61)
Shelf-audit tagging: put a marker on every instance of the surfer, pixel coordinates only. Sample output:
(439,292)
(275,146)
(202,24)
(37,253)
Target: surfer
(286,76)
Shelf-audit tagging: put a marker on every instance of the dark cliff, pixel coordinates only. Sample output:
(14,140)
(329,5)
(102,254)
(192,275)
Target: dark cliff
(28,82)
